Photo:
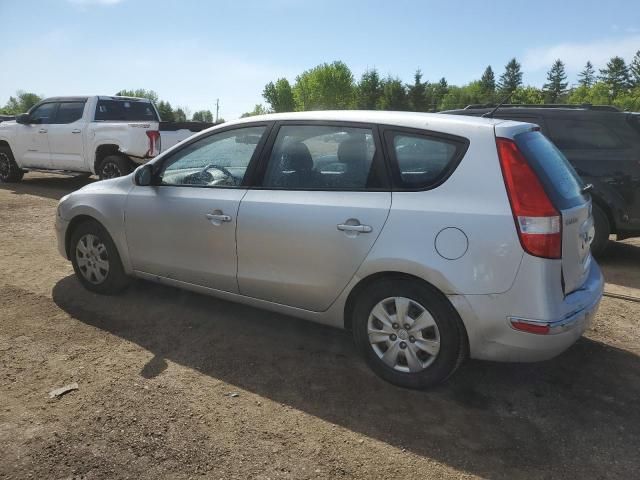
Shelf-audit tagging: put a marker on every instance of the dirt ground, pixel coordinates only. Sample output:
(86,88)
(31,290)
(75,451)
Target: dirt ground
(158,370)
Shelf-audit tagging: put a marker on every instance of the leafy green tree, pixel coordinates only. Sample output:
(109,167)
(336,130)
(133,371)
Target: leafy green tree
(556,86)
(511,78)
(527,95)
(488,83)
(417,93)
(203,116)
(22,102)
(616,76)
(460,97)
(326,86)
(369,91)
(179,115)
(166,111)
(634,69)
(279,96)
(140,93)
(394,95)
(587,77)
(257,110)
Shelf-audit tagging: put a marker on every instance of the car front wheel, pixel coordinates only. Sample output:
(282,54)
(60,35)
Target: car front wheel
(408,333)
(95,259)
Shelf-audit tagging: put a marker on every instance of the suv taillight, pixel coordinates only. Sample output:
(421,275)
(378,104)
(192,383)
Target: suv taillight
(537,220)
(154,143)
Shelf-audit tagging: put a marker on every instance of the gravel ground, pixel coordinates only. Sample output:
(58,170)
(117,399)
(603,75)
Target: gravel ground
(178,385)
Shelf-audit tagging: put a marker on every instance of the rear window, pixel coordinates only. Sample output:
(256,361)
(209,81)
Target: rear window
(560,180)
(127,110)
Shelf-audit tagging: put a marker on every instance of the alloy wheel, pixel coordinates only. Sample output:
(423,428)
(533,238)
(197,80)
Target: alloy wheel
(403,334)
(110,170)
(5,166)
(92,259)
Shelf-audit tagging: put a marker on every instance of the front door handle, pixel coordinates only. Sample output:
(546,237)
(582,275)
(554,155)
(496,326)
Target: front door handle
(345,227)
(77,130)
(42,130)
(218,218)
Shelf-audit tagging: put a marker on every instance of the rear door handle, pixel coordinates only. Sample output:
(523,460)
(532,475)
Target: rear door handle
(218,217)
(76,131)
(42,130)
(354,228)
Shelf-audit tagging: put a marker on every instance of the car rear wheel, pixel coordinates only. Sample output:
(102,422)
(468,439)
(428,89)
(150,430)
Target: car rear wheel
(95,259)
(408,333)
(113,166)
(10,172)
(603,230)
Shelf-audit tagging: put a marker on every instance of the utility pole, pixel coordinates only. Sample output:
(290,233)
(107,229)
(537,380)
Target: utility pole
(217,108)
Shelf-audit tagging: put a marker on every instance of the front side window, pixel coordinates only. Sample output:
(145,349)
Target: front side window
(322,157)
(422,161)
(43,113)
(69,112)
(218,160)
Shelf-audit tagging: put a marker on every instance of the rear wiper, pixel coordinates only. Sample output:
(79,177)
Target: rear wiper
(587,188)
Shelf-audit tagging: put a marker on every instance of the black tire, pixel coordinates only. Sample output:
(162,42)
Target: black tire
(452,335)
(113,166)
(114,279)
(603,230)
(10,172)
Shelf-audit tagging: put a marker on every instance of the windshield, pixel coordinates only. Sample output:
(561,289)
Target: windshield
(125,109)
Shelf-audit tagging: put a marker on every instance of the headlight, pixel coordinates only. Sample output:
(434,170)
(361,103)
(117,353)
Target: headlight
(62,200)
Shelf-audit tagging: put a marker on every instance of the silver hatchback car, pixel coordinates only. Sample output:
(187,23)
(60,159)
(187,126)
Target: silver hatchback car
(432,238)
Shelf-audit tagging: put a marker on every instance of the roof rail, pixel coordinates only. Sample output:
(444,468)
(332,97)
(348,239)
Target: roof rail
(586,106)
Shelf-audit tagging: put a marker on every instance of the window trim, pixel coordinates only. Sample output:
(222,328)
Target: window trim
(59,103)
(378,161)
(390,131)
(157,166)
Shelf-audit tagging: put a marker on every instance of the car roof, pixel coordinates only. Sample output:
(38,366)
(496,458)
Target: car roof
(404,119)
(542,110)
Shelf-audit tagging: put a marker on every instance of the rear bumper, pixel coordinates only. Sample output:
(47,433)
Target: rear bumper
(494,337)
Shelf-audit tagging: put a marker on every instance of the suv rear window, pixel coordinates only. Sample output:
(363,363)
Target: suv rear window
(127,110)
(559,178)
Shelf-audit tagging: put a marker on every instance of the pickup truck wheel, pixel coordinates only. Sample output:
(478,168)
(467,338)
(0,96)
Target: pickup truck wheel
(10,172)
(95,259)
(603,230)
(113,166)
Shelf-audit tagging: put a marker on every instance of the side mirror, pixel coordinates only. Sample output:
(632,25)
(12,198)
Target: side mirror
(23,118)
(143,175)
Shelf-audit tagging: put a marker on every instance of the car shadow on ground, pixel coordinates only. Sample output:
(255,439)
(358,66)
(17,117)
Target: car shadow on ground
(578,412)
(46,185)
(620,263)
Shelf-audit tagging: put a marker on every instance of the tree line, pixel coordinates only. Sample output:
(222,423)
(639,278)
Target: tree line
(333,86)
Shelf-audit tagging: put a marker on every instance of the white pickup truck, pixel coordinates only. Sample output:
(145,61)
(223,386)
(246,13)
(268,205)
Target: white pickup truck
(101,135)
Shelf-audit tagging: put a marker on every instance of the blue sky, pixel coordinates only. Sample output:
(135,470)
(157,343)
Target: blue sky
(192,52)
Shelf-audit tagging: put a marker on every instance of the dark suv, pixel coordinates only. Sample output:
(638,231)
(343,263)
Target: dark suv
(603,145)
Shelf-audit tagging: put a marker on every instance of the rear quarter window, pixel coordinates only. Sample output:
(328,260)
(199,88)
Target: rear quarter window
(125,110)
(573,134)
(421,161)
(560,180)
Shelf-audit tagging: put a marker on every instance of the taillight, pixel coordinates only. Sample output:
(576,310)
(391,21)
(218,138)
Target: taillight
(154,143)
(537,220)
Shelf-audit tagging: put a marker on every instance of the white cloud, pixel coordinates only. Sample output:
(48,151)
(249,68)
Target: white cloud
(575,55)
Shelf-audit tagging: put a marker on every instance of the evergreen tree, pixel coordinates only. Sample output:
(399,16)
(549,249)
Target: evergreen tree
(488,82)
(556,85)
(417,93)
(166,111)
(634,69)
(587,77)
(511,78)
(369,91)
(394,95)
(616,76)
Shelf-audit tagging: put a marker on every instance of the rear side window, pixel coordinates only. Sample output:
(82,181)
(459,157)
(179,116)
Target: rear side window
(574,134)
(560,180)
(423,161)
(127,110)
(69,112)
